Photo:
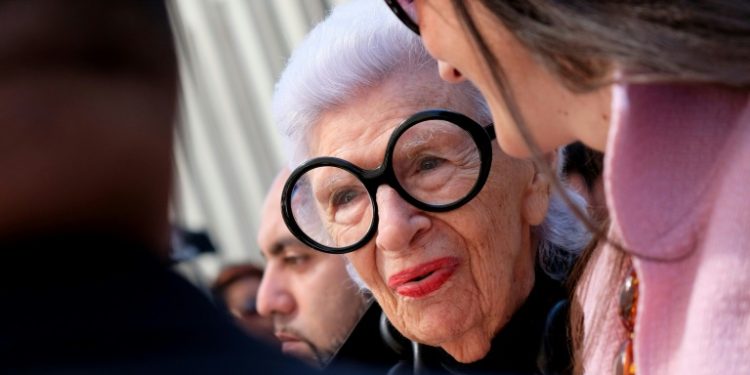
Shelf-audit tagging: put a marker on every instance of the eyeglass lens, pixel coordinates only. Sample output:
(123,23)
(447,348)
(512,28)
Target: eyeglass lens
(332,206)
(408,7)
(406,12)
(435,162)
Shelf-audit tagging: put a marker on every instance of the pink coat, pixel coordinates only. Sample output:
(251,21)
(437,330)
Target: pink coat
(677,180)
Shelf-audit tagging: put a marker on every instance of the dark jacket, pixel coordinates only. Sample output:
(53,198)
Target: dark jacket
(94,304)
(365,346)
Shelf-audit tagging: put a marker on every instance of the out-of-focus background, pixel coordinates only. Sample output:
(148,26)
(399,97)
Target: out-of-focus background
(231,54)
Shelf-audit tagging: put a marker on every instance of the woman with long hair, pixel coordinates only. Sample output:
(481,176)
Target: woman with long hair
(663,87)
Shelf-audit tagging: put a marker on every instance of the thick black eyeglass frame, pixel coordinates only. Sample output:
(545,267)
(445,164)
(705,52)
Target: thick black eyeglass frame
(402,15)
(384,174)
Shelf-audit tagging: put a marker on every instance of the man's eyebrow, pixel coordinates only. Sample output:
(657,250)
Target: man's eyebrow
(279,246)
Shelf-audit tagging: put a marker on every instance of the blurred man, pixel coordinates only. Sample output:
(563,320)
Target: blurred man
(87,105)
(237,287)
(313,302)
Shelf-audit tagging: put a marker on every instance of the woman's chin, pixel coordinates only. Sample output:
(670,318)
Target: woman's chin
(453,332)
(436,326)
(468,348)
(468,352)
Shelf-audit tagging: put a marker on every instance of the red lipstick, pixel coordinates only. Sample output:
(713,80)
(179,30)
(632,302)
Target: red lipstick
(423,279)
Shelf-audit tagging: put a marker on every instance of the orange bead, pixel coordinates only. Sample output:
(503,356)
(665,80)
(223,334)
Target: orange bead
(629,300)
(624,364)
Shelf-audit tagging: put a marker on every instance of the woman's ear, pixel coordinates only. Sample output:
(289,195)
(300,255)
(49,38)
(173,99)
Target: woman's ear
(536,199)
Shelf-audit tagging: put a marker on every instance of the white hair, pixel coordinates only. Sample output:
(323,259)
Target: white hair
(358,47)
(562,236)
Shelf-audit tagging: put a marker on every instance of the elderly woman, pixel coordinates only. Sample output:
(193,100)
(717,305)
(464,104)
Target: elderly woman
(453,237)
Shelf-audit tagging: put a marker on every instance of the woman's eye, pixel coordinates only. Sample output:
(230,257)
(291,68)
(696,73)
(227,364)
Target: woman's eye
(344,197)
(429,163)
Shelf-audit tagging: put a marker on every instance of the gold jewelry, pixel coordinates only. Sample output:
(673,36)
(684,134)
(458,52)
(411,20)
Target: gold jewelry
(624,363)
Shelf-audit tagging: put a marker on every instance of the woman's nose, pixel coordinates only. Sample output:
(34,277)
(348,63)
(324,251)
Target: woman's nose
(399,222)
(274,298)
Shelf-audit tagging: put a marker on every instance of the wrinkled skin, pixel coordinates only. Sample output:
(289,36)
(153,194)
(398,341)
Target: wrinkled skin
(489,236)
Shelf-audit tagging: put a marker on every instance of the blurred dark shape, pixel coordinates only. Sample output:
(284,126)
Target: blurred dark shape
(236,288)
(368,346)
(583,168)
(584,161)
(87,108)
(188,244)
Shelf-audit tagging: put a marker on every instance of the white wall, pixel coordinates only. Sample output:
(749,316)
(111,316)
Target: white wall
(231,53)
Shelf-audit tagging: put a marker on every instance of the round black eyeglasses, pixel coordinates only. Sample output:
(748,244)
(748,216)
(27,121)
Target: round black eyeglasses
(404,10)
(436,160)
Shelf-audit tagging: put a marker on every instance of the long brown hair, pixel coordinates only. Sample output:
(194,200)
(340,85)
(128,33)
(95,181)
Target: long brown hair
(677,41)
(582,41)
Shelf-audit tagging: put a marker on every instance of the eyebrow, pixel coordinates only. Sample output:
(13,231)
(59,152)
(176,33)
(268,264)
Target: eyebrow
(329,179)
(278,247)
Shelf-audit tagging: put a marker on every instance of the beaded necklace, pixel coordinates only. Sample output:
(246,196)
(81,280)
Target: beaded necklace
(624,364)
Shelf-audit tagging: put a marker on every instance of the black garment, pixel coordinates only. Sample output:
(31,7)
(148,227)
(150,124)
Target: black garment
(365,345)
(533,342)
(93,304)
